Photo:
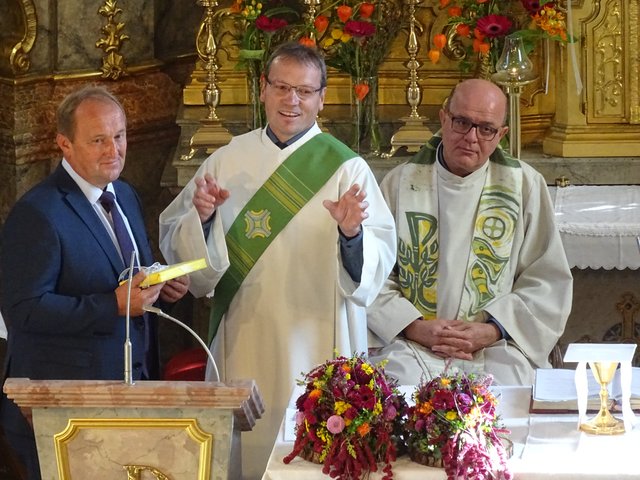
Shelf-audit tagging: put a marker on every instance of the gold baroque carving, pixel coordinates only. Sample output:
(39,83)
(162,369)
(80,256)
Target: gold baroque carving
(19,52)
(113,66)
(607,64)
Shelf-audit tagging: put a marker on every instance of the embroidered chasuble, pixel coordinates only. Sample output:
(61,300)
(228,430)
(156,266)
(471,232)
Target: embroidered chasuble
(493,232)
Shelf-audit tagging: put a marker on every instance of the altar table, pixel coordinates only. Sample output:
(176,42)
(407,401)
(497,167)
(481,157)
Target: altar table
(599,225)
(545,447)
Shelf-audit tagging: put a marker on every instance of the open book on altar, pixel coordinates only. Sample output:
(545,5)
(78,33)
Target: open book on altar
(554,391)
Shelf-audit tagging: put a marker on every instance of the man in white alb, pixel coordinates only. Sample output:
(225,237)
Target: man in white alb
(295,251)
(481,281)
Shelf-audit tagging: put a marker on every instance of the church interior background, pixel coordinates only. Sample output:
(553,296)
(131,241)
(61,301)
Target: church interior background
(145,53)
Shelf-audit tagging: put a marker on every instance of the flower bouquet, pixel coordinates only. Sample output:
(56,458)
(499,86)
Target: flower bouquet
(356,36)
(454,424)
(477,28)
(260,27)
(349,419)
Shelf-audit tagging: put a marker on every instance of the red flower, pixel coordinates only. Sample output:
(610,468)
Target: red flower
(531,6)
(494,25)
(344,12)
(359,29)
(439,41)
(270,24)
(366,10)
(321,23)
(307,42)
(463,29)
(361,90)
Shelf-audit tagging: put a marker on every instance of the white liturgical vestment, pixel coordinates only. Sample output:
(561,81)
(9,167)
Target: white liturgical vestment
(532,303)
(298,306)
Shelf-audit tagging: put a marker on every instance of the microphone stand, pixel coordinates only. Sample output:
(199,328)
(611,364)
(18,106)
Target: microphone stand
(128,370)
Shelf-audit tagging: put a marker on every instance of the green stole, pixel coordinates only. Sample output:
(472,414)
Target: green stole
(494,227)
(270,209)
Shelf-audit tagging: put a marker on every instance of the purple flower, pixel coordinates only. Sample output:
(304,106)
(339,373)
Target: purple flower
(335,424)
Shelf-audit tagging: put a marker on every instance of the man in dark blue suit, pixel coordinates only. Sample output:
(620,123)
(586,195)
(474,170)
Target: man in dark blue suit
(61,261)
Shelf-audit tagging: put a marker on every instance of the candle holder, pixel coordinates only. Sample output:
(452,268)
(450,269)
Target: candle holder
(514,70)
(211,134)
(414,133)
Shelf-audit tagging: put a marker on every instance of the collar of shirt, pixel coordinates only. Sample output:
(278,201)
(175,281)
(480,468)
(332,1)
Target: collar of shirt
(90,191)
(281,145)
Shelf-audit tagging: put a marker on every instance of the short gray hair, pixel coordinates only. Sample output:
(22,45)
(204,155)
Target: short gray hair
(65,115)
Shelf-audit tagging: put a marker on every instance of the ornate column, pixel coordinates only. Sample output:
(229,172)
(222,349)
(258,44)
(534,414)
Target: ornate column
(603,119)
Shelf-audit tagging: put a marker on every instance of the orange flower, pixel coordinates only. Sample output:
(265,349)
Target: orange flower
(364,429)
(366,10)
(236,7)
(439,41)
(463,30)
(444,3)
(481,47)
(434,56)
(321,23)
(307,42)
(344,12)
(315,393)
(346,368)
(482,1)
(455,11)
(478,33)
(361,90)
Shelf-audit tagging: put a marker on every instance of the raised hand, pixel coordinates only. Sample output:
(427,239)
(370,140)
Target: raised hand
(349,211)
(208,196)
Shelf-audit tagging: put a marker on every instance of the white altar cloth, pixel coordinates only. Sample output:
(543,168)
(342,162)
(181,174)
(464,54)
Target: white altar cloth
(546,447)
(599,225)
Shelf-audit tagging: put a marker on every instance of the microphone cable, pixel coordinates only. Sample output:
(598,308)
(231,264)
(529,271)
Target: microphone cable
(159,312)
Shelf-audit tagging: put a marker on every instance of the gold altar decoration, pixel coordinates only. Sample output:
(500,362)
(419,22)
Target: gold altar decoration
(211,134)
(603,423)
(113,66)
(414,133)
(20,35)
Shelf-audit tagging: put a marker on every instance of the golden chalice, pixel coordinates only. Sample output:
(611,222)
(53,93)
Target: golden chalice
(603,423)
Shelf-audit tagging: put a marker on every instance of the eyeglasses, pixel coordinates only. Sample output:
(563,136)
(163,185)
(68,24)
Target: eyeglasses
(282,89)
(463,126)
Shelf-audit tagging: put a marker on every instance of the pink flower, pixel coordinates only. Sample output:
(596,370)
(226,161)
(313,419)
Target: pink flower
(270,24)
(359,29)
(494,25)
(335,424)
(390,413)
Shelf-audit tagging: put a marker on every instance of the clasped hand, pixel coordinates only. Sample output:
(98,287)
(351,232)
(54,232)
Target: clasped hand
(452,338)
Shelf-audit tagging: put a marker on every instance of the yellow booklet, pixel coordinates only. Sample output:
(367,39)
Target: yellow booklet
(167,272)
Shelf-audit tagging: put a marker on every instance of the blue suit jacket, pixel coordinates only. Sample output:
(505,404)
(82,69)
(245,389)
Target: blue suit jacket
(59,270)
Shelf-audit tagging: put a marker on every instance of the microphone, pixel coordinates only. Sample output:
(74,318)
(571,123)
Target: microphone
(159,312)
(128,371)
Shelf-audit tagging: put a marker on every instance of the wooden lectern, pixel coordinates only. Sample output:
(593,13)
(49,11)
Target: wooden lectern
(162,430)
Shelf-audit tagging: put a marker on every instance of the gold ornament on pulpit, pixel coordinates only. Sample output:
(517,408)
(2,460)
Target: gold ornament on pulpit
(211,134)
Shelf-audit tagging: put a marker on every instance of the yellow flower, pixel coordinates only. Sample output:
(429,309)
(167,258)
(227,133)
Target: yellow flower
(451,415)
(445,381)
(340,407)
(366,368)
